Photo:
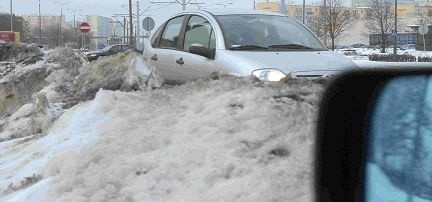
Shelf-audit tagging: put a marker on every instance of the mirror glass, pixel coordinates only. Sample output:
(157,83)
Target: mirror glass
(399,153)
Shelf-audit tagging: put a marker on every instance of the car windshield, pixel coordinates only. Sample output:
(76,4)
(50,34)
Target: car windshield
(107,48)
(260,32)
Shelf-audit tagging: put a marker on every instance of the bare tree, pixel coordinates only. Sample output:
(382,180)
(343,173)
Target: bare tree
(336,18)
(317,25)
(380,19)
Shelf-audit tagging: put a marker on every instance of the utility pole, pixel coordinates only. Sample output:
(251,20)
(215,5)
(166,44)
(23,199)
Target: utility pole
(138,32)
(11,16)
(395,37)
(325,23)
(61,18)
(254,5)
(125,28)
(282,7)
(74,23)
(124,25)
(59,34)
(304,8)
(40,24)
(131,38)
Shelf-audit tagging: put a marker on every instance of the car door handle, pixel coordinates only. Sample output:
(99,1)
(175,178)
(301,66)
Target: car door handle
(154,57)
(180,61)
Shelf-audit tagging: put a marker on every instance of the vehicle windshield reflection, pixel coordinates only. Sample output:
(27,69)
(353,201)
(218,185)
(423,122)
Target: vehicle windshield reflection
(266,31)
(107,48)
(399,160)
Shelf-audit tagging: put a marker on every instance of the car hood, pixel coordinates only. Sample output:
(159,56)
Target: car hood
(297,62)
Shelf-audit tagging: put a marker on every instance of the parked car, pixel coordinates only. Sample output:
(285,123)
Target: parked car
(359,45)
(268,45)
(408,46)
(44,48)
(110,50)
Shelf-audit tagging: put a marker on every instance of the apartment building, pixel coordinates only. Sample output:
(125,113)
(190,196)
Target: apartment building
(48,20)
(100,31)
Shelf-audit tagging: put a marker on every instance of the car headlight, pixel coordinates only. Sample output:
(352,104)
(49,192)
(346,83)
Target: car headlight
(269,74)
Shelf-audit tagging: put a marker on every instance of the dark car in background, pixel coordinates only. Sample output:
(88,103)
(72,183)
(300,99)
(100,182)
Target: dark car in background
(110,50)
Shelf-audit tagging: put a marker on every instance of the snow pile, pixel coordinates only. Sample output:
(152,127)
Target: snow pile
(61,80)
(19,52)
(223,139)
(363,53)
(26,105)
(121,71)
(22,160)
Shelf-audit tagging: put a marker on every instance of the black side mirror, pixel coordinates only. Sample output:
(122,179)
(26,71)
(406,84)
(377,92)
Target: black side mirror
(203,51)
(373,137)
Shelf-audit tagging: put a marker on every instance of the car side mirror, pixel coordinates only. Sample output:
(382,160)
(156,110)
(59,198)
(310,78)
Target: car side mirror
(199,49)
(374,137)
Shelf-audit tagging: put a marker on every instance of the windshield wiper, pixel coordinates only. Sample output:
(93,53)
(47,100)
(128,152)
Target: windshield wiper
(289,46)
(247,47)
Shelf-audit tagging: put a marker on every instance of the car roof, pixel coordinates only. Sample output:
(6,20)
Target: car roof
(234,12)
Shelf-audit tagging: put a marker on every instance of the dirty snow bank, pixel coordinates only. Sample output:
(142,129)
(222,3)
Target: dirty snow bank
(19,52)
(229,139)
(117,72)
(34,95)
(25,109)
(22,160)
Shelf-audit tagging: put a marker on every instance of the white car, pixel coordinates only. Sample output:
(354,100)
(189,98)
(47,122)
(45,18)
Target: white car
(269,45)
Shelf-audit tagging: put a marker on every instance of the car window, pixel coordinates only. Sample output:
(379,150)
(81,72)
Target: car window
(155,37)
(171,33)
(116,49)
(198,31)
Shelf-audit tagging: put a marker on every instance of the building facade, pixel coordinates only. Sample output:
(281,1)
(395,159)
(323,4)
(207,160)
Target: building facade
(100,31)
(47,21)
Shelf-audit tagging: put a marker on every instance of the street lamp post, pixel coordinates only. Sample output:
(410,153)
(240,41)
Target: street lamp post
(131,37)
(395,37)
(304,8)
(325,23)
(282,7)
(40,24)
(59,35)
(74,23)
(11,16)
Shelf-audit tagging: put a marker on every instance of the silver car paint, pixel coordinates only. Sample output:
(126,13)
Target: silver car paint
(242,63)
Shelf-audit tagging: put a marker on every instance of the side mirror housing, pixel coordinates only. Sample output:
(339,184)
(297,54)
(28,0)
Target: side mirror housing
(373,136)
(201,50)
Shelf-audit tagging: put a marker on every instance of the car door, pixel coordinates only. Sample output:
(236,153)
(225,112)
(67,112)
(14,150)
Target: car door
(164,55)
(198,32)
(114,50)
